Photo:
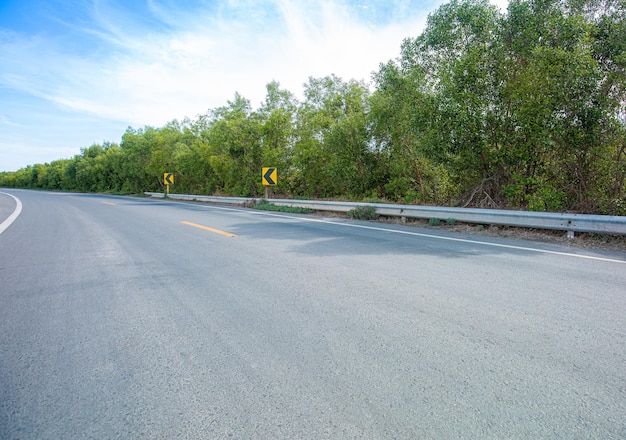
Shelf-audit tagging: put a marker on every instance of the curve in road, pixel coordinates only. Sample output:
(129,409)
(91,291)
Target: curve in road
(14,215)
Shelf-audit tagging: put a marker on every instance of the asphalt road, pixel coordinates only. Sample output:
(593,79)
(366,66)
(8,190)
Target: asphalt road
(118,320)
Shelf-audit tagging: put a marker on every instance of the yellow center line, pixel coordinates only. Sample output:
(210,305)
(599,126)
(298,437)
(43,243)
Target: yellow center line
(206,228)
(108,203)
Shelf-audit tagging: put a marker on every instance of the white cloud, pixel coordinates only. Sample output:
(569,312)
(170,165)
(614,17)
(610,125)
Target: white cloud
(191,64)
(7,121)
(16,155)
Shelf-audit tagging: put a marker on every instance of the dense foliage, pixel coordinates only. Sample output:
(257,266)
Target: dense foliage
(525,109)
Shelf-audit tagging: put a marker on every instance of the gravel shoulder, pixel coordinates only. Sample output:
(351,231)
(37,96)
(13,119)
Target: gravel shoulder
(614,243)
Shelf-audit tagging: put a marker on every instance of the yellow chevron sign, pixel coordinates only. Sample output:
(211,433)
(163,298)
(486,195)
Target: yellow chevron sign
(269,176)
(168,178)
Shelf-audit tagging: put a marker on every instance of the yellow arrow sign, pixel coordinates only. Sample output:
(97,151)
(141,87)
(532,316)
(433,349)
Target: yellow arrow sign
(269,176)
(168,178)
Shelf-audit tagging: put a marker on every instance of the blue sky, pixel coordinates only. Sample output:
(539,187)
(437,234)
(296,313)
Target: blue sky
(78,72)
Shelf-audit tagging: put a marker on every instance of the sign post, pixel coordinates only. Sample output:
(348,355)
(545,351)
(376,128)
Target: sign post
(269,177)
(168,178)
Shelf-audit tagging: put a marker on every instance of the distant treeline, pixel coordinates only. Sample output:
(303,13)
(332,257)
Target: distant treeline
(524,110)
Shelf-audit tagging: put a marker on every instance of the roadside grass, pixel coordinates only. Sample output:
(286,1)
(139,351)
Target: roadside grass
(363,213)
(264,205)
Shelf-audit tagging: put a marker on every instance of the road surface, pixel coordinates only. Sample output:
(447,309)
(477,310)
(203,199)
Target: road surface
(137,318)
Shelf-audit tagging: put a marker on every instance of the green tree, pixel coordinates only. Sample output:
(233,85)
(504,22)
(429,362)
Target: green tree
(277,118)
(234,140)
(404,123)
(458,51)
(136,148)
(331,152)
(564,87)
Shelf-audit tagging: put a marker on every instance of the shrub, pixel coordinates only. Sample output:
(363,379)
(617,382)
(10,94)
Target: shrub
(434,222)
(363,213)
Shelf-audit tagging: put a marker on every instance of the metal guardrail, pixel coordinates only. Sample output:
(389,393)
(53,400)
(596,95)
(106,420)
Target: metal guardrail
(605,224)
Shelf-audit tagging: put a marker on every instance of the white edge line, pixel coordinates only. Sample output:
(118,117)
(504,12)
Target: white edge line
(420,234)
(16,212)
